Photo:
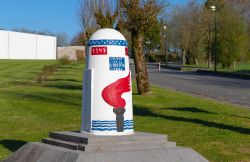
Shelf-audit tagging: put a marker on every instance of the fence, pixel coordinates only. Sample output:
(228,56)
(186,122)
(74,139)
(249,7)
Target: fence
(15,45)
(70,52)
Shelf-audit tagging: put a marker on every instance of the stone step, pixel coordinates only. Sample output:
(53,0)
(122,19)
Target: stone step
(87,138)
(109,146)
(36,151)
(69,136)
(60,143)
(126,146)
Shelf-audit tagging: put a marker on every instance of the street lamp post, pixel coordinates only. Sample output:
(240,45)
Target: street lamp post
(165,44)
(213,9)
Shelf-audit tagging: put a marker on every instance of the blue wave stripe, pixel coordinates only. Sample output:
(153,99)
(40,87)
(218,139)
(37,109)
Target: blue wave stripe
(109,129)
(108,123)
(111,124)
(96,126)
(115,127)
(108,42)
(114,122)
(107,120)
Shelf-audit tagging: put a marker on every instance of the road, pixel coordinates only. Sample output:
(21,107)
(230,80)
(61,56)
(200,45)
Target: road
(232,90)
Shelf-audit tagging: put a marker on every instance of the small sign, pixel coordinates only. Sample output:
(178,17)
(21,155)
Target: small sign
(99,50)
(117,63)
(126,51)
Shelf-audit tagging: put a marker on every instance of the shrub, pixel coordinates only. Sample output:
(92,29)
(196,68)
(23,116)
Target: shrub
(40,78)
(64,60)
(152,58)
(80,56)
(46,71)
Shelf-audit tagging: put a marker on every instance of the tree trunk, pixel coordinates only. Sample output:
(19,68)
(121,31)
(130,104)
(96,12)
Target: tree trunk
(183,55)
(234,65)
(143,86)
(196,62)
(209,54)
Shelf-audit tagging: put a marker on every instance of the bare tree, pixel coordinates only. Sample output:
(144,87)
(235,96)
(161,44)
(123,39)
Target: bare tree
(95,14)
(241,6)
(88,23)
(208,20)
(86,16)
(106,12)
(187,31)
(139,15)
(62,39)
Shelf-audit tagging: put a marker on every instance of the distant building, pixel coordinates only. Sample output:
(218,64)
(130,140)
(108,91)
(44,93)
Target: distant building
(16,45)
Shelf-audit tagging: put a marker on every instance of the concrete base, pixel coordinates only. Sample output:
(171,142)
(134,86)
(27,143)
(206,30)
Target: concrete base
(84,147)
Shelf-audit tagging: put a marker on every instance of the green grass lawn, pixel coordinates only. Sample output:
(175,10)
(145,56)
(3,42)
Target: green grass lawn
(29,110)
(241,68)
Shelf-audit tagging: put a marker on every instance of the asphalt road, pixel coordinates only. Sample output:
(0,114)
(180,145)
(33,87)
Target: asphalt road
(232,90)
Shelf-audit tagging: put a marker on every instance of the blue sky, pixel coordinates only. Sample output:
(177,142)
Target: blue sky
(53,15)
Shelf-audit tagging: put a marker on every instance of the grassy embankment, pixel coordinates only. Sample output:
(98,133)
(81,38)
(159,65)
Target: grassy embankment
(29,110)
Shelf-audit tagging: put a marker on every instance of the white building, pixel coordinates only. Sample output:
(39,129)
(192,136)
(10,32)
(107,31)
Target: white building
(16,45)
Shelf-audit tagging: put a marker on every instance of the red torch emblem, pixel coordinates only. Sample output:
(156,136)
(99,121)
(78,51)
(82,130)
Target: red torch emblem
(112,96)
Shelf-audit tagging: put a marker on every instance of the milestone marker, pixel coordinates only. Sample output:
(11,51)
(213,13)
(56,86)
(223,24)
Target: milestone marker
(107,132)
(107,95)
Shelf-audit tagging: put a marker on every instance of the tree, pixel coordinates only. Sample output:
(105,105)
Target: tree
(152,34)
(105,12)
(62,39)
(86,16)
(79,39)
(187,31)
(87,20)
(138,16)
(242,7)
(192,30)
(232,39)
(94,14)
(232,17)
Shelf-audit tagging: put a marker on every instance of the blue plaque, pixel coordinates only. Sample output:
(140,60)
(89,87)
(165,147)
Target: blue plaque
(117,63)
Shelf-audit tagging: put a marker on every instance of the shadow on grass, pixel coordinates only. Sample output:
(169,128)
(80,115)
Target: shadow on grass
(65,86)
(64,80)
(240,116)
(65,67)
(12,145)
(189,109)
(147,112)
(196,110)
(48,97)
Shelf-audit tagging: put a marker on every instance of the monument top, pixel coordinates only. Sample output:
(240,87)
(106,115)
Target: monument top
(107,33)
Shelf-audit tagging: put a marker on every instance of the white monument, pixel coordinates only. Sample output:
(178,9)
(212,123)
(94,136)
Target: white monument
(107,94)
(107,126)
